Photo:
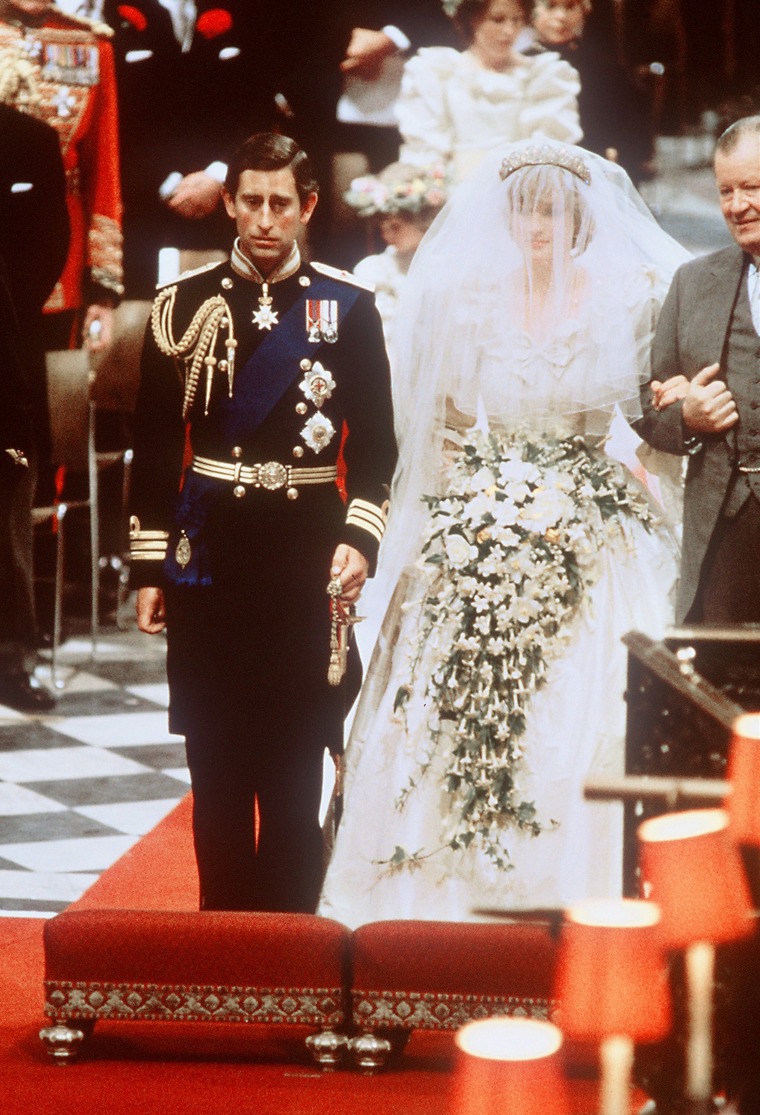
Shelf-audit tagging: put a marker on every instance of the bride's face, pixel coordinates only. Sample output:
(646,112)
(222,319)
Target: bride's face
(541,232)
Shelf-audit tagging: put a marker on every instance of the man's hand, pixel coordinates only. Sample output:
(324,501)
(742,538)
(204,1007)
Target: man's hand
(668,391)
(366,53)
(97,328)
(708,405)
(151,616)
(197,196)
(352,567)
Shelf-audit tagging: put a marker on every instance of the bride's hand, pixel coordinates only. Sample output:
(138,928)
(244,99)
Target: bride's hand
(668,391)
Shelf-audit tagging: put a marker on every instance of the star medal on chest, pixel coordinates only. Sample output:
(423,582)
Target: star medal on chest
(265,317)
(317,384)
(322,320)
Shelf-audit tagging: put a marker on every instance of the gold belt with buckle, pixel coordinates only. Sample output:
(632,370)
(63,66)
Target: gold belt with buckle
(271,475)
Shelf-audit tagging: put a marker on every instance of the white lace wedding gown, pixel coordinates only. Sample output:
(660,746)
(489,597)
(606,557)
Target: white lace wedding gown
(575,723)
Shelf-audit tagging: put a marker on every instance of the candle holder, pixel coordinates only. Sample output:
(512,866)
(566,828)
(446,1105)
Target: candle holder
(692,869)
(612,986)
(743,801)
(741,1026)
(508,1065)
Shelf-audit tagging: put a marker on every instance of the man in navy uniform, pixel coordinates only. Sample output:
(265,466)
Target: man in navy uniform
(259,376)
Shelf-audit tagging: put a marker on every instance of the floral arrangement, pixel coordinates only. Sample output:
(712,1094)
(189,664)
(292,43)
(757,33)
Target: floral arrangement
(511,549)
(400,189)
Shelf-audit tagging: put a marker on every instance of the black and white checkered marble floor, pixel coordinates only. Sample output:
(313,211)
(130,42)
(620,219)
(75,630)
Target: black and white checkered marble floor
(81,785)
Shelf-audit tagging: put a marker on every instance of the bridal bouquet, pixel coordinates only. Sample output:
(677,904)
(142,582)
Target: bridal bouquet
(512,548)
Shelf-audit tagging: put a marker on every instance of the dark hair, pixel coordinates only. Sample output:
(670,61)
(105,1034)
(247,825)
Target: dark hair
(748,125)
(270,151)
(470,12)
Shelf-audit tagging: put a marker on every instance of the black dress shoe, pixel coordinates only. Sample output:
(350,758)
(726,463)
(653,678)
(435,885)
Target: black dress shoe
(24,693)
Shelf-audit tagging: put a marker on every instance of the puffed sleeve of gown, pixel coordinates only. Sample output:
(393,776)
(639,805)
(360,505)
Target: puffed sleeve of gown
(550,106)
(427,130)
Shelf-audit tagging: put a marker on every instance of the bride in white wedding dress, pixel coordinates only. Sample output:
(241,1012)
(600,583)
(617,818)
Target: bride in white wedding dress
(517,553)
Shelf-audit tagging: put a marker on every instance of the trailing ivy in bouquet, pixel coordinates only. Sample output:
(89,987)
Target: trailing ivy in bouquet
(510,552)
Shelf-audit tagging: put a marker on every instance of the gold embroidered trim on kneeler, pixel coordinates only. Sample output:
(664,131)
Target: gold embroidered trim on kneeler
(430,1010)
(94,1000)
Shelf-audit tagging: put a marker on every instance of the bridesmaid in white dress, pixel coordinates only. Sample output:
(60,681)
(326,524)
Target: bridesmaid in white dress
(402,201)
(517,553)
(455,105)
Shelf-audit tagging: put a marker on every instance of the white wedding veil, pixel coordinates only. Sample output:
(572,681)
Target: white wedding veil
(477,289)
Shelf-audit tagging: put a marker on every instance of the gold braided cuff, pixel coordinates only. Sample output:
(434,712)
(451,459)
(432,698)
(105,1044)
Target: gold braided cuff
(368,516)
(146,545)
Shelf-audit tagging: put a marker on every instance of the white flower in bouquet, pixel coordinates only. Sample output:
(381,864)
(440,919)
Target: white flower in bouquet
(458,550)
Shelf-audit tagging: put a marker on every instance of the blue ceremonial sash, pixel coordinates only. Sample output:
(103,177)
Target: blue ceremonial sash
(266,376)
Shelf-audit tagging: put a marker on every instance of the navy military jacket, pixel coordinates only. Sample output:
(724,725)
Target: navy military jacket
(260,547)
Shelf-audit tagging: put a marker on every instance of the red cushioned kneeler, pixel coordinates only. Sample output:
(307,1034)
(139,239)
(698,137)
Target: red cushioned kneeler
(209,966)
(435,975)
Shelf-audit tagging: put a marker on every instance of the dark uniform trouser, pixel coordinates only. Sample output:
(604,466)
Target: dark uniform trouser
(729,590)
(17,614)
(279,766)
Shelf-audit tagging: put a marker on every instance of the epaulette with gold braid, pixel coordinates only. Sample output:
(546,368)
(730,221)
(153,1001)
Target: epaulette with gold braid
(197,344)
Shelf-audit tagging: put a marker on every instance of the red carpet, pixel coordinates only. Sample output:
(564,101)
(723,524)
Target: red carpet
(146,1068)
(181,1069)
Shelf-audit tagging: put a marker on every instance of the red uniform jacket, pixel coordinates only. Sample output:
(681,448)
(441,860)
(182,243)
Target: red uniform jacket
(63,73)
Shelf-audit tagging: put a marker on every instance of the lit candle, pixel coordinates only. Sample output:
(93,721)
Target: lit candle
(616,1055)
(700,961)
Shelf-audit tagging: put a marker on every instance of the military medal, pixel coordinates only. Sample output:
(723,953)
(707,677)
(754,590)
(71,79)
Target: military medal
(265,317)
(70,63)
(317,384)
(322,320)
(318,432)
(65,102)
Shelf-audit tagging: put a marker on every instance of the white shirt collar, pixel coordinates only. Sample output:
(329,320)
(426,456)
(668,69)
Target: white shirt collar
(242,265)
(183,13)
(753,290)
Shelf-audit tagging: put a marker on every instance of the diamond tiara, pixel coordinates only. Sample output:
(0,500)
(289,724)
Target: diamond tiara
(546,156)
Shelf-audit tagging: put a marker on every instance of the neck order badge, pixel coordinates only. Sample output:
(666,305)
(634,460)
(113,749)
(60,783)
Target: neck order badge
(265,317)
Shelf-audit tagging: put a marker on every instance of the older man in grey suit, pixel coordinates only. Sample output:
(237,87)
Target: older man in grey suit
(704,399)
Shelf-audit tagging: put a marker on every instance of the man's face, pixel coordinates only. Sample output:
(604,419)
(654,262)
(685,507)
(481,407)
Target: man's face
(737,173)
(268,215)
